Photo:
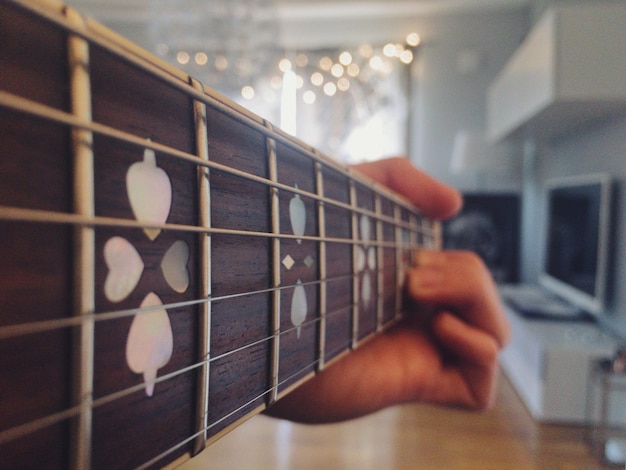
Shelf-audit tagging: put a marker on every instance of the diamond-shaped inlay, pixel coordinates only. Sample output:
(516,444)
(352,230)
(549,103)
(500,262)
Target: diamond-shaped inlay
(288,262)
(309,261)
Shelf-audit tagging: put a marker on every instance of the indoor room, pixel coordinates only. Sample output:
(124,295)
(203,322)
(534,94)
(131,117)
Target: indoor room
(199,222)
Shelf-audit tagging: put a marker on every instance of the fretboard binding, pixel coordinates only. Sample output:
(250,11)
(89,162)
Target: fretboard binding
(263,395)
(78,54)
(204,266)
(26,106)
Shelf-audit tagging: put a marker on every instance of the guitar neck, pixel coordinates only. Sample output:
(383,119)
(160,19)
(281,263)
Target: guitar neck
(171,263)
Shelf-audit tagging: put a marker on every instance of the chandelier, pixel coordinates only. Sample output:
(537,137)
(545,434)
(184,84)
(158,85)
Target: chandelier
(227,44)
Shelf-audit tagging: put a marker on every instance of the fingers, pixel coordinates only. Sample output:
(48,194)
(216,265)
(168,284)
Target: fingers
(463,340)
(459,281)
(475,367)
(433,198)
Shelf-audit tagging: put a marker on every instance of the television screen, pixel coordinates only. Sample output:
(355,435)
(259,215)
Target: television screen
(577,238)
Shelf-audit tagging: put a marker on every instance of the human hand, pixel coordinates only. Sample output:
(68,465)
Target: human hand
(445,350)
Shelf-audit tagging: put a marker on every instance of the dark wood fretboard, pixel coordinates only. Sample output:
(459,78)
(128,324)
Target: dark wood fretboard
(171,264)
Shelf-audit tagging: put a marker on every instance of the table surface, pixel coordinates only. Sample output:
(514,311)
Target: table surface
(412,436)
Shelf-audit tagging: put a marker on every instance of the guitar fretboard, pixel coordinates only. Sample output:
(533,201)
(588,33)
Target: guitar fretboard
(171,264)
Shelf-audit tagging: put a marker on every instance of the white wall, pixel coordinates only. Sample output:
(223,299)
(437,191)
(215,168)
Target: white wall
(450,79)
(599,147)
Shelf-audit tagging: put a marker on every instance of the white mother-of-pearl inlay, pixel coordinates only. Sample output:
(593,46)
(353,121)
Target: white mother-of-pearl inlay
(150,341)
(149,192)
(288,262)
(125,268)
(297,215)
(174,266)
(299,306)
(366,260)
(366,288)
(365,229)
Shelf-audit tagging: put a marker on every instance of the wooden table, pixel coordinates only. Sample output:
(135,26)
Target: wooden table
(408,437)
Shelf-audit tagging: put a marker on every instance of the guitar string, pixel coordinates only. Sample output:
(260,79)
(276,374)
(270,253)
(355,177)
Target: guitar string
(131,54)
(28,215)
(39,110)
(35,327)
(229,415)
(294,376)
(9,331)
(17,214)
(42,423)
(352,209)
(25,429)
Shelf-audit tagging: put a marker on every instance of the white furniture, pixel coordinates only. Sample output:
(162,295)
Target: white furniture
(570,70)
(550,363)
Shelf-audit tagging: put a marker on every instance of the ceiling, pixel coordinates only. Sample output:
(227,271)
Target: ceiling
(140,10)
(303,23)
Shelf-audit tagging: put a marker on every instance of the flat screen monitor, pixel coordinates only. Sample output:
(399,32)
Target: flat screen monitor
(577,240)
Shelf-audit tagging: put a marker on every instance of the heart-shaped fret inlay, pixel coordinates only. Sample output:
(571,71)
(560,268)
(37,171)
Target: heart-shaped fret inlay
(150,341)
(149,192)
(125,268)
(366,288)
(365,229)
(299,306)
(174,266)
(297,216)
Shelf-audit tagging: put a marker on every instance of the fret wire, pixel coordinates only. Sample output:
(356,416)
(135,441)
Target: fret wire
(172,76)
(275,221)
(436,235)
(399,263)
(84,248)
(380,280)
(204,285)
(321,226)
(33,108)
(355,248)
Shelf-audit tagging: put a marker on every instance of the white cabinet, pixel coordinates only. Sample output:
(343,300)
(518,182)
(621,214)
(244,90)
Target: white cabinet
(549,363)
(570,70)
